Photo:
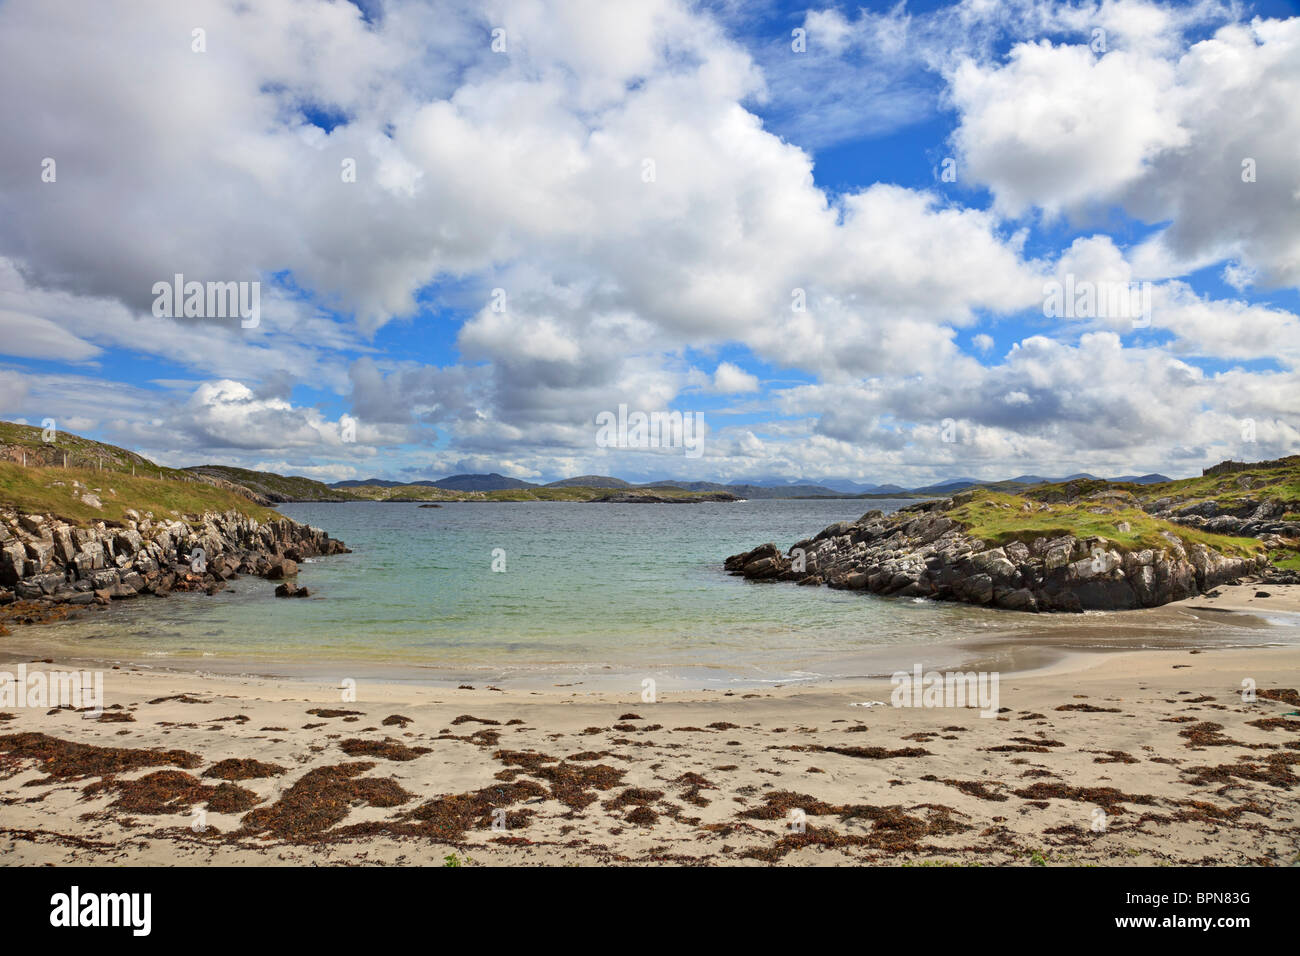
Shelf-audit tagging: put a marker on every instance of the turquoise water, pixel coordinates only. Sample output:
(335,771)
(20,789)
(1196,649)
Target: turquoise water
(587,589)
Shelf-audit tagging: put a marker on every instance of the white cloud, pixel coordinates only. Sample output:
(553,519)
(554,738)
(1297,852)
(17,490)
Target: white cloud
(1167,131)
(732,379)
(31,336)
(525,171)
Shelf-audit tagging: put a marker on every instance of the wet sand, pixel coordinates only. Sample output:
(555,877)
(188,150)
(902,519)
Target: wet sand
(1127,757)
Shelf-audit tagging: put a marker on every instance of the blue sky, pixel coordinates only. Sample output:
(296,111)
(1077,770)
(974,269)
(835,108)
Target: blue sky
(1103,142)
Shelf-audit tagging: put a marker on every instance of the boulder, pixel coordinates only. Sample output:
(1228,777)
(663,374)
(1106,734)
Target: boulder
(281,568)
(33,524)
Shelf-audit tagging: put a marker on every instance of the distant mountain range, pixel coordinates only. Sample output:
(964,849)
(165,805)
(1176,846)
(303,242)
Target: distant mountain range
(762,488)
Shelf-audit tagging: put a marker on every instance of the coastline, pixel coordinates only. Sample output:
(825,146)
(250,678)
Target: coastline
(1228,617)
(1157,744)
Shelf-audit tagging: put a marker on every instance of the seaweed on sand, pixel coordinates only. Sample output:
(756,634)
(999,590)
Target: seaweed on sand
(892,828)
(448,817)
(571,785)
(388,749)
(66,759)
(173,791)
(322,797)
(1109,798)
(235,768)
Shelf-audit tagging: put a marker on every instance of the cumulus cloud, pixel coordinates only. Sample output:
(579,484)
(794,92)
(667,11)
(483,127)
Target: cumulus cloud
(622,189)
(732,379)
(1199,135)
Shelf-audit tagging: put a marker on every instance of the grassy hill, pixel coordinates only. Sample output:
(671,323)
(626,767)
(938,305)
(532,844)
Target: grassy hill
(592,481)
(1132,515)
(490,482)
(1000,518)
(275,487)
(19,443)
(60,492)
(119,479)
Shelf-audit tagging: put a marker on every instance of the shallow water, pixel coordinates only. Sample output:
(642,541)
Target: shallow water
(588,589)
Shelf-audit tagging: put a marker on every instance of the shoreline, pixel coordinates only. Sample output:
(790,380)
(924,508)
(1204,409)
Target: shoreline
(1059,638)
(1157,745)
(1008,657)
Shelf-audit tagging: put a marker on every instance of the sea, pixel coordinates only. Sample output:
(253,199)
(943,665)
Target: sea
(579,594)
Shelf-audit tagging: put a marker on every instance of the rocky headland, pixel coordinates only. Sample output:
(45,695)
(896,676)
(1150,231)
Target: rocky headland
(1074,547)
(47,561)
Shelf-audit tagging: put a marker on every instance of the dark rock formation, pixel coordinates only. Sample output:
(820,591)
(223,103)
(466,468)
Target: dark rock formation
(43,558)
(632,498)
(921,552)
(1243,517)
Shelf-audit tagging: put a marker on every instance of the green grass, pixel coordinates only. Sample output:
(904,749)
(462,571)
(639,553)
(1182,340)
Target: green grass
(37,491)
(81,452)
(265,482)
(1287,560)
(1280,482)
(999,519)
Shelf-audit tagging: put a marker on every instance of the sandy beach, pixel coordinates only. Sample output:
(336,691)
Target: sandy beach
(1127,757)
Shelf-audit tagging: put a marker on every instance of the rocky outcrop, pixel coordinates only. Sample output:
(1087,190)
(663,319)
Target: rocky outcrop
(920,551)
(634,498)
(1243,517)
(43,558)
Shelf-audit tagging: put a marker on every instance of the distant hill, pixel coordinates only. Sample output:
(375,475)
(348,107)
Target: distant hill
(366,482)
(597,481)
(1152,479)
(952,486)
(844,486)
(274,488)
(839,486)
(491,482)
(759,488)
(1028,481)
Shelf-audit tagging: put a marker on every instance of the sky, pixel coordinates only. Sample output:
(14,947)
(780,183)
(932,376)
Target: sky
(834,233)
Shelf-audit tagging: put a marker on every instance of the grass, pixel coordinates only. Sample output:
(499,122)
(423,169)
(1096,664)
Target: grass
(265,482)
(37,491)
(81,452)
(1281,482)
(999,519)
(1286,560)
